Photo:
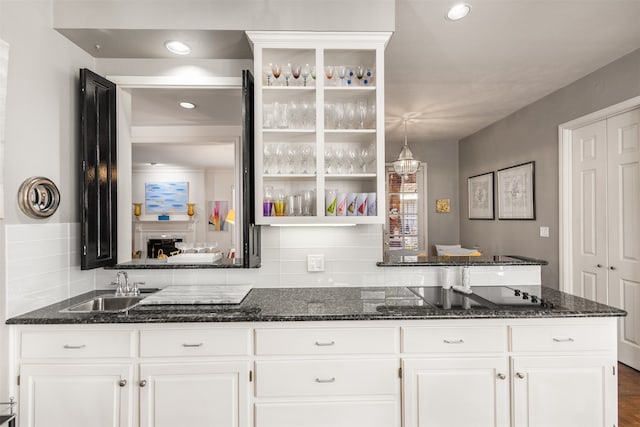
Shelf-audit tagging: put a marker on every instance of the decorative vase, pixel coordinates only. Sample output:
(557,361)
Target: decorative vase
(137,209)
(191,209)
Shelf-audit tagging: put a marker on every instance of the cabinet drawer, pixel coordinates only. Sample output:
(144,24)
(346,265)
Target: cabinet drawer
(454,340)
(323,414)
(562,338)
(71,344)
(195,342)
(317,341)
(326,377)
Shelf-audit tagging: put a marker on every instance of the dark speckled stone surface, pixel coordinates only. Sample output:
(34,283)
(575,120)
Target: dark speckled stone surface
(300,304)
(435,261)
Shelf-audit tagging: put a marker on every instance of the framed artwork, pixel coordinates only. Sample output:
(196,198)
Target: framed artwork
(443,205)
(480,192)
(516,192)
(218,211)
(166,197)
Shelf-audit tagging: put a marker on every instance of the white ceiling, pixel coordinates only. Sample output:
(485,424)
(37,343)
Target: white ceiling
(451,78)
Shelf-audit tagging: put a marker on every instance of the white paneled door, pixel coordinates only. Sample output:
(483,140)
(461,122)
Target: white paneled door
(606,221)
(623,201)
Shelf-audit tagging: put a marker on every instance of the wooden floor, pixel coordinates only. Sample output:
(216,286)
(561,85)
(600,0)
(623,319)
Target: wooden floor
(628,396)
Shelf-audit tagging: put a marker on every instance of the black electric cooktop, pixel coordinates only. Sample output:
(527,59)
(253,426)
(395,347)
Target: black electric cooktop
(482,297)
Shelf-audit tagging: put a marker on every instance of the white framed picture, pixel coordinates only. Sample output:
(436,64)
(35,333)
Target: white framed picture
(480,191)
(516,192)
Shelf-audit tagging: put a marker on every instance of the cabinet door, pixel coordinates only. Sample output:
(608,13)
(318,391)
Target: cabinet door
(196,395)
(564,392)
(76,395)
(456,392)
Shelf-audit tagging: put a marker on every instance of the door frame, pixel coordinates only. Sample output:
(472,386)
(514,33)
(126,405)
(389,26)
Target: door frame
(565,133)
(124,84)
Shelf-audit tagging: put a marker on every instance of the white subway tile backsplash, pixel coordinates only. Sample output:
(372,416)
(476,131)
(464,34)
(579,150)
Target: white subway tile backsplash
(36,232)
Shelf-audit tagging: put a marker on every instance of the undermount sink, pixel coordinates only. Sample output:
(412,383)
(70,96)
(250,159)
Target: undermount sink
(105,304)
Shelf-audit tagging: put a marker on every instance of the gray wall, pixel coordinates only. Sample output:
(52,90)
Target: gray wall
(442,183)
(532,134)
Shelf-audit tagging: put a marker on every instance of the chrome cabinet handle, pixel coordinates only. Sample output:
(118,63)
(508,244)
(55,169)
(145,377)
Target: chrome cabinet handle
(330,380)
(501,376)
(143,383)
(122,383)
(460,341)
(599,265)
(200,344)
(325,344)
(519,375)
(612,268)
(563,339)
(74,347)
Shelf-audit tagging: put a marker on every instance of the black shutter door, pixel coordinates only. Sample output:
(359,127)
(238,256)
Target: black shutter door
(250,231)
(98,181)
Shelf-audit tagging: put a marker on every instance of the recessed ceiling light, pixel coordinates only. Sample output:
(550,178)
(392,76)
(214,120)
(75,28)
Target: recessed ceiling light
(458,11)
(177,47)
(188,105)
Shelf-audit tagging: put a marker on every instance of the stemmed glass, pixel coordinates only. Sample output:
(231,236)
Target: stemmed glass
(328,160)
(276,70)
(268,73)
(328,71)
(342,73)
(360,73)
(313,72)
(306,70)
(287,73)
(295,71)
(352,155)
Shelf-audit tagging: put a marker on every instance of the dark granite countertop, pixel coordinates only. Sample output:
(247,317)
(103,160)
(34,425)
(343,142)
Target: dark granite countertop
(307,304)
(443,261)
(6,418)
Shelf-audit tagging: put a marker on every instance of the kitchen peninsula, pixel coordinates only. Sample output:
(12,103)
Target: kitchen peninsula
(329,356)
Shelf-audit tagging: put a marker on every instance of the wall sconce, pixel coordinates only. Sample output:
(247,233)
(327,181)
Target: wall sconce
(137,209)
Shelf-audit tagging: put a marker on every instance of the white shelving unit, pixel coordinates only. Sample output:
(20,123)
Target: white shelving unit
(321,129)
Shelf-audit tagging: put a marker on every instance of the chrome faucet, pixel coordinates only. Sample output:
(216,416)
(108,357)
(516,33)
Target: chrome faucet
(122,280)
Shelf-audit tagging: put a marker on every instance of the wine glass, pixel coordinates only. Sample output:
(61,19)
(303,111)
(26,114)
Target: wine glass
(342,73)
(296,69)
(313,72)
(328,160)
(328,72)
(359,73)
(268,73)
(306,70)
(287,73)
(352,155)
(276,70)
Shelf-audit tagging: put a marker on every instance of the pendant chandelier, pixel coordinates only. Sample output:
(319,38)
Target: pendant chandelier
(406,165)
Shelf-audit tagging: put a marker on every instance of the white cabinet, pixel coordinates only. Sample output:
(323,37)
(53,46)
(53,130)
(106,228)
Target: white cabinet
(323,131)
(558,391)
(456,392)
(194,395)
(79,395)
(327,376)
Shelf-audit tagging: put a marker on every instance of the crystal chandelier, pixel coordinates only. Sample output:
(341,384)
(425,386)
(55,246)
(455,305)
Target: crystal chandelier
(406,165)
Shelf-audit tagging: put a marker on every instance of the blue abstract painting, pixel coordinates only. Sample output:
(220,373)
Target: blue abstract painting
(166,197)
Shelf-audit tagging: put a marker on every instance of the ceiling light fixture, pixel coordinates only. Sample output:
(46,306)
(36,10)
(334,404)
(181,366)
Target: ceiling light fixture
(458,11)
(177,47)
(187,105)
(405,165)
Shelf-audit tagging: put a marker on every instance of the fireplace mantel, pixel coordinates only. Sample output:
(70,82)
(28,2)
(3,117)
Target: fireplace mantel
(153,229)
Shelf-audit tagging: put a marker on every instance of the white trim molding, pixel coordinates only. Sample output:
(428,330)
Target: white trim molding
(565,132)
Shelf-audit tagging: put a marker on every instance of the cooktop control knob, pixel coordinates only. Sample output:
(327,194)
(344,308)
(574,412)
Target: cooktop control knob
(525,295)
(517,293)
(534,299)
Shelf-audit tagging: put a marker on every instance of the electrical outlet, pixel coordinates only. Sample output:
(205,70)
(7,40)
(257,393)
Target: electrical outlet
(544,231)
(315,262)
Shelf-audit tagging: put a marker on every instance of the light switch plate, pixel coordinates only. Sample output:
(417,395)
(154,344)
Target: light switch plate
(315,263)
(544,231)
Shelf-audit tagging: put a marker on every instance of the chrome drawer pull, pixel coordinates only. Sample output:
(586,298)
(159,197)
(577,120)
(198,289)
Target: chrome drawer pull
(143,383)
(460,341)
(200,344)
(325,344)
(501,376)
(74,347)
(563,339)
(122,383)
(519,375)
(331,380)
